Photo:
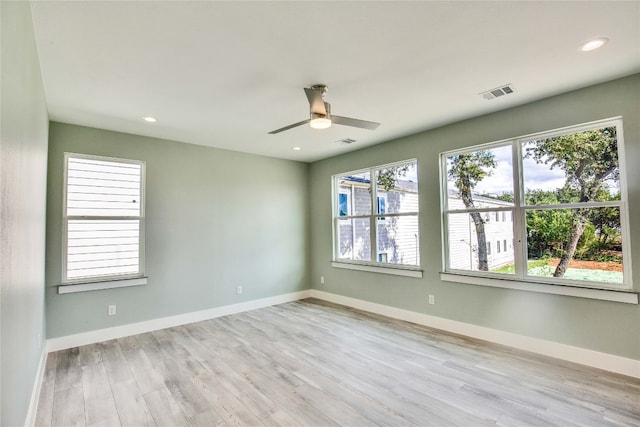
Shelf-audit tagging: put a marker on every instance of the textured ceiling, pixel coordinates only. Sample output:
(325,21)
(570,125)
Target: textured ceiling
(223,74)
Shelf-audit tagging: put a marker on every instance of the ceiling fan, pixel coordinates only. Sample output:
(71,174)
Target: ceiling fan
(320,116)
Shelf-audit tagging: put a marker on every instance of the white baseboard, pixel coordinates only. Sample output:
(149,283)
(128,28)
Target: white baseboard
(608,362)
(69,341)
(35,394)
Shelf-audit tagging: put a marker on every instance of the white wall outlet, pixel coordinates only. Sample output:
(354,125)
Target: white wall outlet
(432,299)
(238,290)
(112,310)
(322,280)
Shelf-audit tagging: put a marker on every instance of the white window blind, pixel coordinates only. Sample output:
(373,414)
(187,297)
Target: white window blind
(104,216)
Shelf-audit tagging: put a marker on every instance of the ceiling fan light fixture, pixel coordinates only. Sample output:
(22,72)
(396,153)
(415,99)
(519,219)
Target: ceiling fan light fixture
(320,122)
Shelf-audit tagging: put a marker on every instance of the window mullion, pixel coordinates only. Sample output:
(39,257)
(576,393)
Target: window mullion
(519,215)
(373,218)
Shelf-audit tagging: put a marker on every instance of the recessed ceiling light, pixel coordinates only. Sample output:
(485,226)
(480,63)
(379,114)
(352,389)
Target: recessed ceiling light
(150,119)
(297,148)
(594,44)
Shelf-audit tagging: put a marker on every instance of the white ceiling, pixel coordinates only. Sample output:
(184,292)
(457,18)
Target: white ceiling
(223,74)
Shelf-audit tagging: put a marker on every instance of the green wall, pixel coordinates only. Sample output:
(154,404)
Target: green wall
(215,219)
(23,165)
(598,325)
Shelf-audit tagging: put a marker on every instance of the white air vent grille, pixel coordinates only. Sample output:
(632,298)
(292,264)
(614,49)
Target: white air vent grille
(346,141)
(498,92)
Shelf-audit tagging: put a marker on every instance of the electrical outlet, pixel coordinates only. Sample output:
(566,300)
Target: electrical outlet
(112,310)
(322,280)
(238,290)
(432,299)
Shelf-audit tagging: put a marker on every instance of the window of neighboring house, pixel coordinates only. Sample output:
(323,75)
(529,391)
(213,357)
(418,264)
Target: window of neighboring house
(382,225)
(565,196)
(488,248)
(103,219)
(343,204)
(382,202)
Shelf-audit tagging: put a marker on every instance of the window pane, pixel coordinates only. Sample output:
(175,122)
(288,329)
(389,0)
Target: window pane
(103,188)
(354,239)
(484,173)
(578,244)
(357,191)
(578,167)
(398,189)
(398,240)
(102,248)
(471,236)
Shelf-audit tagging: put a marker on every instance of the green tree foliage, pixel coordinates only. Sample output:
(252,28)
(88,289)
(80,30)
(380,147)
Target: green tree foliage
(588,159)
(546,229)
(466,171)
(387,177)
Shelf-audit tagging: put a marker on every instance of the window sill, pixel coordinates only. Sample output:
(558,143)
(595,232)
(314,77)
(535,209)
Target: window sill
(407,272)
(96,286)
(599,294)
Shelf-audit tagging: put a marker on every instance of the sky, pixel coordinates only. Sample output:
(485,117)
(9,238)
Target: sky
(536,176)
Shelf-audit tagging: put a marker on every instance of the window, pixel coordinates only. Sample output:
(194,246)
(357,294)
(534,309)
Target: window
(363,235)
(382,202)
(563,194)
(103,219)
(343,204)
(489,248)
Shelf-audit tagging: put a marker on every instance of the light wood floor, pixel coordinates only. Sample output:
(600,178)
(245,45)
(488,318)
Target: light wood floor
(316,364)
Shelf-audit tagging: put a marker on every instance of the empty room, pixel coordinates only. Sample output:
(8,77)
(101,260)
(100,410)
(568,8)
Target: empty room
(319,213)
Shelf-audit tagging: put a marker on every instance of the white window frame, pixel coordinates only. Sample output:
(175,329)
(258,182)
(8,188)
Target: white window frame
(71,285)
(374,265)
(519,228)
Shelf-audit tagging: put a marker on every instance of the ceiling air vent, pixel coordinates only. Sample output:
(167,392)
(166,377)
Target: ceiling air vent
(346,141)
(498,92)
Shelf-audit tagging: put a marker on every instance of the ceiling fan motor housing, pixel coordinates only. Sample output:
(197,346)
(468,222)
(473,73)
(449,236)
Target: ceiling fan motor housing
(327,114)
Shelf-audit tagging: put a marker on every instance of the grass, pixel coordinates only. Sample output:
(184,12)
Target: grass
(540,268)
(511,269)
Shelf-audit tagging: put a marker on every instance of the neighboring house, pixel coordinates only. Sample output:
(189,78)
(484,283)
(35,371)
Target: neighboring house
(397,235)
(498,227)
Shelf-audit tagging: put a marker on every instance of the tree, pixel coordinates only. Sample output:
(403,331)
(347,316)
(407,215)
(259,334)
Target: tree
(466,170)
(546,229)
(387,177)
(588,160)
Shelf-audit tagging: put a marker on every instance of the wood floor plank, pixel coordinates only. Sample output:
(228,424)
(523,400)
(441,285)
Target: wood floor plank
(47,390)
(313,363)
(164,409)
(68,369)
(99,407)
(114,362)
(131,406)
(68,407)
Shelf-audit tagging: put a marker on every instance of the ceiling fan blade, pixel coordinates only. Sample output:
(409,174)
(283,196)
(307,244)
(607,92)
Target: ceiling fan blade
(288,127)
(315,100)
(348,121)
